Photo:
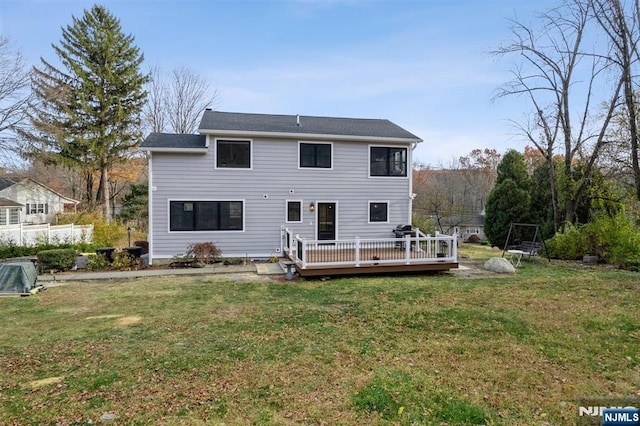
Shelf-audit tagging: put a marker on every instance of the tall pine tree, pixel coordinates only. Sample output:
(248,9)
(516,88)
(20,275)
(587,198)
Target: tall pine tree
(90,108)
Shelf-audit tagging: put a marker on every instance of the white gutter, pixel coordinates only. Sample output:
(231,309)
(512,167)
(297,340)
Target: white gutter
(175,150)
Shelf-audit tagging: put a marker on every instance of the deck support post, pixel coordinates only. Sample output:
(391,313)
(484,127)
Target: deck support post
(357,252)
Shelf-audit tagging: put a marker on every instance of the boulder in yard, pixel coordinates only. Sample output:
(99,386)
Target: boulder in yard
(499,265)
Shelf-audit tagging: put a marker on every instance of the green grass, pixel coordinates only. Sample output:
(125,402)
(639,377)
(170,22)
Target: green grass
(387,350)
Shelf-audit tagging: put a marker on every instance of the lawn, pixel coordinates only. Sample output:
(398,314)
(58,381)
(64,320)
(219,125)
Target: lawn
(419,349)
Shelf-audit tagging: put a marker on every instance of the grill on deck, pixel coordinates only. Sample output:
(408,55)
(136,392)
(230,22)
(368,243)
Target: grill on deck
(401,231)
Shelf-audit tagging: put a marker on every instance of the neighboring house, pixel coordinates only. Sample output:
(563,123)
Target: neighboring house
(245,176)
(467,226)
(28,201)
(10,212)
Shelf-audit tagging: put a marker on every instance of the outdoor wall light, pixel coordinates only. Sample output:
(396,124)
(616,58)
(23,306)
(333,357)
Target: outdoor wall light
(312,207)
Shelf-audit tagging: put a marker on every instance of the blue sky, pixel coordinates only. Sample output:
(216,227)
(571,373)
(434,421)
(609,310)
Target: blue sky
(421,64)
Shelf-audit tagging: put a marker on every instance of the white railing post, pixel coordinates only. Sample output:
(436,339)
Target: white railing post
(407,249)
(357,253)
(304,254)
(22,234)
(454,254)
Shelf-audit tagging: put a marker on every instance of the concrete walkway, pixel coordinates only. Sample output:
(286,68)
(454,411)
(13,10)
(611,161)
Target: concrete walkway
(258,268)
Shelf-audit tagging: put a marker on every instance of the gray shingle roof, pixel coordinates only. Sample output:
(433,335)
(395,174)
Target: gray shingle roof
(7,182)
(174,140)
(5,202)
(271,123)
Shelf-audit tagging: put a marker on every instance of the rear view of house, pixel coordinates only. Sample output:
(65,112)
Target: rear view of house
(245,177)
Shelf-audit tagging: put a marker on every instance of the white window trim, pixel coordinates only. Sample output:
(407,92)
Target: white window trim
(315,168)
(388,146)
(369,211)
(286,211)
(215,154)
(196,200)
(17,212)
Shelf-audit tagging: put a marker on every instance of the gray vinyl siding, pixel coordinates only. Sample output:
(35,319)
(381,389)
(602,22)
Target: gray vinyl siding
(275,177)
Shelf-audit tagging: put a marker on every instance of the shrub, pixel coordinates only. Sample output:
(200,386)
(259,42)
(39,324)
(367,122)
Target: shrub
(57,259)
(108,234)
(473,239)
(204,252)
(123,261)
(616,240)
(97,262)
(570,244)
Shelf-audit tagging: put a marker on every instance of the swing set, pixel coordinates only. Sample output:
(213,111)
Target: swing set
(519,248)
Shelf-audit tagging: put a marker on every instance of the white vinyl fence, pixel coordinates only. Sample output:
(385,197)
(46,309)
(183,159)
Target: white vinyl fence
(31,235)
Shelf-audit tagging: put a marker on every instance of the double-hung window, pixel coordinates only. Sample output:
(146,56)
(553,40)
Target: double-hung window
(387,161)
(206,216)
(315,155)
(233,154)
(294,211)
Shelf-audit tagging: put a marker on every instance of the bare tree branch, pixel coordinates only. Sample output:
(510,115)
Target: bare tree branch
(176,104)
(15,96)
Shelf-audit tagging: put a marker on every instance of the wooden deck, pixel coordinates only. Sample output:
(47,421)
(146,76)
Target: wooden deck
(325,271)
(423,253)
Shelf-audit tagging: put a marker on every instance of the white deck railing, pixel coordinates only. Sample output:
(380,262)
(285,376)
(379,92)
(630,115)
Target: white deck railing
(30,235)
(421,249)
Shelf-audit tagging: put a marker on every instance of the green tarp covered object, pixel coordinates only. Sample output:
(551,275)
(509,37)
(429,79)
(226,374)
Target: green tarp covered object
(17,278)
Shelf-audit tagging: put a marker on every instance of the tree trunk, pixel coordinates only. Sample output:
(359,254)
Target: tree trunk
(554,196)
(89,189)
(105,198)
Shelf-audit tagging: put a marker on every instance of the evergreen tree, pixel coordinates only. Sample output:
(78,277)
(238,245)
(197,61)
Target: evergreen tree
(135,205)
(89,112)
(512,166)
(509,201)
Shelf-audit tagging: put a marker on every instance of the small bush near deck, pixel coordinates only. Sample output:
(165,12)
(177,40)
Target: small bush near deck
(57,259)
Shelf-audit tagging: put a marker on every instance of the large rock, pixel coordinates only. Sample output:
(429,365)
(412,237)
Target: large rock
(499,265)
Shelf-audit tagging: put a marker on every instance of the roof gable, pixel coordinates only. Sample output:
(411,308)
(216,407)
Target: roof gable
(26,182)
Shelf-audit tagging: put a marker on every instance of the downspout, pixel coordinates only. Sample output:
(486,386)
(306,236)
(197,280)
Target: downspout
(410,171)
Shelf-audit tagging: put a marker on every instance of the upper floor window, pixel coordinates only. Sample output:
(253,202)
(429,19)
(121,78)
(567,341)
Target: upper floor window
(378,212)
(387,161)
(205,216)
(317,155)
(234,154)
